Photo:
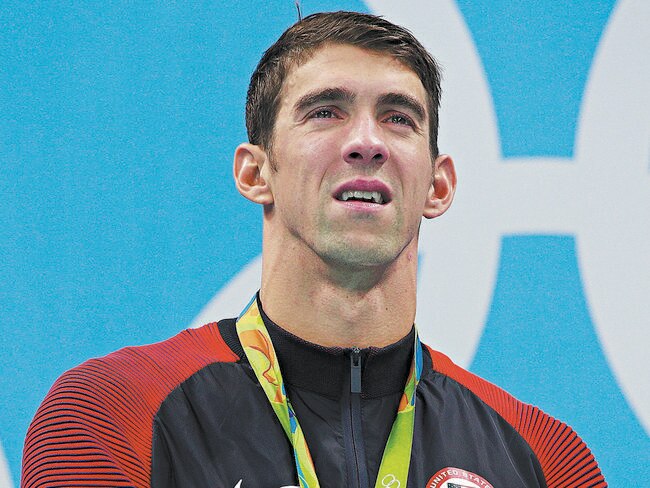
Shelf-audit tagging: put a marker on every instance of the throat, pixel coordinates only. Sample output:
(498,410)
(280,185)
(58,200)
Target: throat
(337,304)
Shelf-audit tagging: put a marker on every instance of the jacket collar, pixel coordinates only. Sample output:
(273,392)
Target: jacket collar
(326,370)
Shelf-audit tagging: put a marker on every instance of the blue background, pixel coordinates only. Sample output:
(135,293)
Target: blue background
(120,220)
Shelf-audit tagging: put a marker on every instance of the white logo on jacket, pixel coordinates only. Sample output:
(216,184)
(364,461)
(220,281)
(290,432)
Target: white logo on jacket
(239,485)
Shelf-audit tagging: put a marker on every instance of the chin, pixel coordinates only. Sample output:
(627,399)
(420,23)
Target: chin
(357,256)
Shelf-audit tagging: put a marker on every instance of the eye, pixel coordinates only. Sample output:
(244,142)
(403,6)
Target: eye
(400,119)
(322,113)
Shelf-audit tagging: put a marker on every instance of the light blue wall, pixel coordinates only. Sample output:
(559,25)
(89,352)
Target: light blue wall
(120,220)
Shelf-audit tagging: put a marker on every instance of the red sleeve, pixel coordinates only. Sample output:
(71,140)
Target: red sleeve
(565,459)
(94,427)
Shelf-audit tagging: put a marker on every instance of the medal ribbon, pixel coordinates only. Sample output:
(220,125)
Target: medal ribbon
(258,348)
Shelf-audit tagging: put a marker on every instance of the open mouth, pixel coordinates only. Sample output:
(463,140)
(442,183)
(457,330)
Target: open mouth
(371,192)
(362,196)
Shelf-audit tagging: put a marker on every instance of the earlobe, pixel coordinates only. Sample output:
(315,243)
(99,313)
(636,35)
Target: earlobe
(249,164)
(443,187)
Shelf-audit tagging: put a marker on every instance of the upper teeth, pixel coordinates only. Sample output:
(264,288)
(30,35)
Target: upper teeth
(373,196)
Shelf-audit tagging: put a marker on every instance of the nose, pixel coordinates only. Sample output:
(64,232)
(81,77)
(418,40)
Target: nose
(365,143)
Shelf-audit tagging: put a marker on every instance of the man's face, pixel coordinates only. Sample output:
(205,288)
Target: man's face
(353,168)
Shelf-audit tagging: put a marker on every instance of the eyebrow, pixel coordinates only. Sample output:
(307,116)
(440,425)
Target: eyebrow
(328,95)
(402,100)
(322,96)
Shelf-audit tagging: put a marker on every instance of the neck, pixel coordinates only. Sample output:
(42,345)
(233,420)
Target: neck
(340,304)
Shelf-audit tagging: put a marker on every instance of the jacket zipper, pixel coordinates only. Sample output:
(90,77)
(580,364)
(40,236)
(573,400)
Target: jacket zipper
(355,450)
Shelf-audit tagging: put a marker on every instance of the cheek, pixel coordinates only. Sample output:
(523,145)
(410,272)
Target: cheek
(416,168)
(417,183)
(315,156)
(323,144)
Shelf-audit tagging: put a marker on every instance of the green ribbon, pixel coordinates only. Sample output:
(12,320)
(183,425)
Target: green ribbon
(394,468)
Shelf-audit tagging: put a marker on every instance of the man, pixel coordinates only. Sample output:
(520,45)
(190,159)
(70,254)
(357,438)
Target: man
(322,380)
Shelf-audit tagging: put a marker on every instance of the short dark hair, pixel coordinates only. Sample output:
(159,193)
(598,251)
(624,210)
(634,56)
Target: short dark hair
(300,41)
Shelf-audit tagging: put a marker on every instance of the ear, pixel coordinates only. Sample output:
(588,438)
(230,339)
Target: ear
(249,166)
(443,187)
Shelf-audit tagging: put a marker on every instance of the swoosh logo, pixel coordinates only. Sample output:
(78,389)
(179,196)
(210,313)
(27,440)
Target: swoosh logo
(238,485)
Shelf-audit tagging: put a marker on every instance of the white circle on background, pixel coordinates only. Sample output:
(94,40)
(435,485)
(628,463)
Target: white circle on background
(5,475)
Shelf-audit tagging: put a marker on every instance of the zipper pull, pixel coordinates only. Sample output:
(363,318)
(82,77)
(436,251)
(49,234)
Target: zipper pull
(355,370)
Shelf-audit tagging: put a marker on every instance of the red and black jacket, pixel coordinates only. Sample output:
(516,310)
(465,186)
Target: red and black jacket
(189,412)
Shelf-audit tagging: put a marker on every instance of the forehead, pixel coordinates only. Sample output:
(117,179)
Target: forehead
(361,71)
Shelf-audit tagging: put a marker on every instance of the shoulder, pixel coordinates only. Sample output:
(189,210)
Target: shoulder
(159,365)
(143,375)
(565,459)
(100,414)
